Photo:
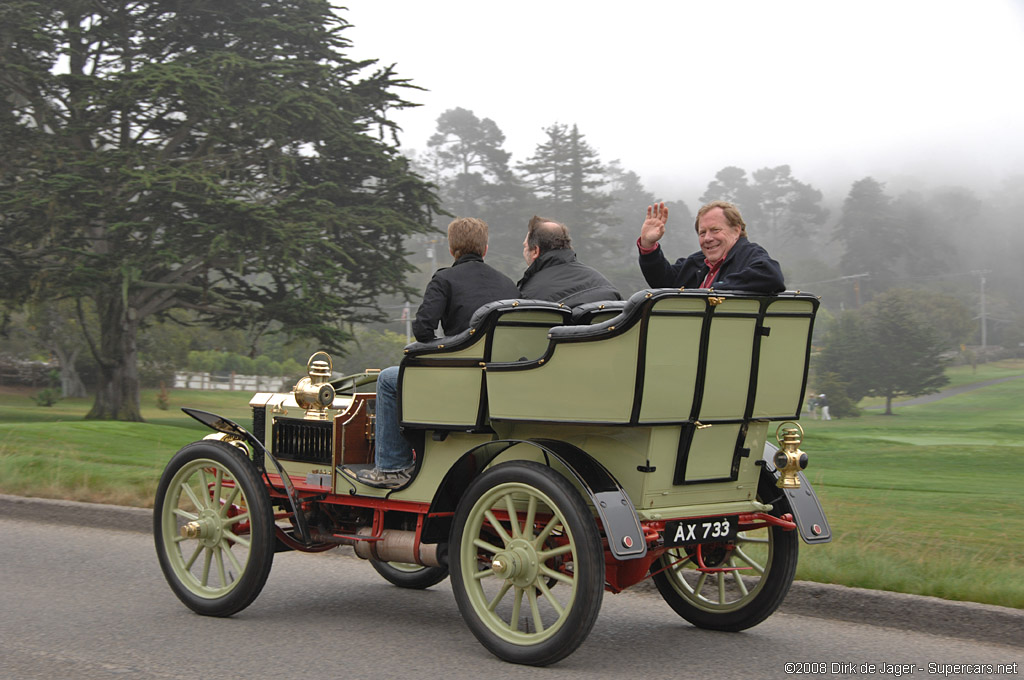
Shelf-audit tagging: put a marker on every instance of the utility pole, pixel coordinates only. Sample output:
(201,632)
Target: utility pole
(984,316)
(432,254)
(407,317)
(856,284)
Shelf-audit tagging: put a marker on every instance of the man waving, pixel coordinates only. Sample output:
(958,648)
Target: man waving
(726,261)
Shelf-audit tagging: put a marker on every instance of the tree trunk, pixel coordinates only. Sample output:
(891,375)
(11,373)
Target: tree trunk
(888,404)
(71,385)
(117,391)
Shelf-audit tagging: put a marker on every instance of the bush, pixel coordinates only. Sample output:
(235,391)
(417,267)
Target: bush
(840,404)
(292,369)
(47,397)
(267,366)
(206,361)
(225,363)
(236,363)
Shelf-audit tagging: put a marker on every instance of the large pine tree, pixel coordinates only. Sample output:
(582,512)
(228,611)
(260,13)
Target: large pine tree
(782,213)
(907,358)
(872,240)
(224,157)
(568,178)
(470,156)
(471,169)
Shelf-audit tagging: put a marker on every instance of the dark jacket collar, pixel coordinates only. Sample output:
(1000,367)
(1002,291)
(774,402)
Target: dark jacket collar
(550,258)
(468,257)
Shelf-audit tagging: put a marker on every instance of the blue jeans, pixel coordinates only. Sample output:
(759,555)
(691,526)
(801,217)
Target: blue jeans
(393,451)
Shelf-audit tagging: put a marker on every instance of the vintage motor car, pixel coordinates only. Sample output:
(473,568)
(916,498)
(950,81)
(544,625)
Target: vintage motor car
(560,453)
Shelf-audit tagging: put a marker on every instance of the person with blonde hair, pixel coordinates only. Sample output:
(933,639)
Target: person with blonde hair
(455,292)
(726,260)
(450,299)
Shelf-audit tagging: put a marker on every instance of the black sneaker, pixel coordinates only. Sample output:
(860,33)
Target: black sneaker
(384,479)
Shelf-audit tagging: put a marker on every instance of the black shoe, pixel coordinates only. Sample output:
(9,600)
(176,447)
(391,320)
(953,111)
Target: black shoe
(383,479)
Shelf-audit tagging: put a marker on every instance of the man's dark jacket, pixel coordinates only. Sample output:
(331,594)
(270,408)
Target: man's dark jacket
(748,267)
(558,277)
(455,292)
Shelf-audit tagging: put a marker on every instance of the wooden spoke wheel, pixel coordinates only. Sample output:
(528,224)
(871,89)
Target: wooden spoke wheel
(761,565)
(213,528)
(527,565)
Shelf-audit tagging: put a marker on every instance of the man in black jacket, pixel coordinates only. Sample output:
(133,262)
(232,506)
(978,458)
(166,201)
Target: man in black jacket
(455,292)
(726,261)
(554,273)
(450,299)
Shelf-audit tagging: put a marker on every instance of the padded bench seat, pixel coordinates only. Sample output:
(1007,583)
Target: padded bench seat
(596,312)
(441,383)
(669,356)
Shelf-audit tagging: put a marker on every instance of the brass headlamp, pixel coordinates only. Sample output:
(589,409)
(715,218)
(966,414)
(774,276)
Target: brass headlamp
(789,459)
(314,392)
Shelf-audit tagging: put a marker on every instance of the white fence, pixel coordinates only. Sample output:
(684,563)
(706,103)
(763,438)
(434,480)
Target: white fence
(233,381)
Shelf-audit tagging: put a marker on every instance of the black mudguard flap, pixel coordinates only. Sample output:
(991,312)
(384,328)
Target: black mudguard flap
(807,512)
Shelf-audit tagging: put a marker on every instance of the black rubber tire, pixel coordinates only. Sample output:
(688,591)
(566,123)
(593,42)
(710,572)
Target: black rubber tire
(488,604)
(413,576)
(240,575)
(748,609)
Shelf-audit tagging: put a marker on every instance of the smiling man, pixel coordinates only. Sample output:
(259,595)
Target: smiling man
(726,261)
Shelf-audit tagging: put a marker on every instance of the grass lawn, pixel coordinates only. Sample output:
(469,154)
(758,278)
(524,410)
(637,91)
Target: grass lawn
(963,375)
(927,501)
(52,452)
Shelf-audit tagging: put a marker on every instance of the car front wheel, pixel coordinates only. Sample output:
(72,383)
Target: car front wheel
(213,528)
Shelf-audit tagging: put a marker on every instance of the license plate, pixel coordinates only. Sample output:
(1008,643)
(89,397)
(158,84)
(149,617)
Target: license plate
(700,530)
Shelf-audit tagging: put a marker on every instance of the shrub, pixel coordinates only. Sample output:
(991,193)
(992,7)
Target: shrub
(47,397)
(840,404)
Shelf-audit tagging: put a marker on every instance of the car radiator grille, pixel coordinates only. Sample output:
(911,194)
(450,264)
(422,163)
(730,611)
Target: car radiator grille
(308,441)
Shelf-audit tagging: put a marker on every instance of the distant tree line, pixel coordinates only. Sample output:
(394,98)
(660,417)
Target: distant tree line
(925,253)
(187,176)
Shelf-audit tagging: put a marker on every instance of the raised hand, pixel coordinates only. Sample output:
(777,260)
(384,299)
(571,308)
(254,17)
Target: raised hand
(653,227)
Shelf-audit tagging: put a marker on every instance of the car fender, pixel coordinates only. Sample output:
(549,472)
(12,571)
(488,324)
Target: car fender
(807,512)
(615,509)
(233,429)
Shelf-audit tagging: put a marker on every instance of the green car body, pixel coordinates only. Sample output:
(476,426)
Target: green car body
(544,438)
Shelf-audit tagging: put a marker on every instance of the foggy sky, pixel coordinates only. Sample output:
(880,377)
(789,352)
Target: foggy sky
(678,90)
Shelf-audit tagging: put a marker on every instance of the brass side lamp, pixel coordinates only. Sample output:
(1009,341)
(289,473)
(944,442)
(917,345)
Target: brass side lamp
(314,392)
(789,459)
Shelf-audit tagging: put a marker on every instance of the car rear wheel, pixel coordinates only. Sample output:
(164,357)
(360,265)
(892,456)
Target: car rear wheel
(761,563)
(527,565)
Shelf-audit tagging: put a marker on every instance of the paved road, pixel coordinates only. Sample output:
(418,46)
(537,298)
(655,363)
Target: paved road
(942,394)
(90,602)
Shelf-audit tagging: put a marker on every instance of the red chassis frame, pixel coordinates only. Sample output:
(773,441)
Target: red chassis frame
(619,574)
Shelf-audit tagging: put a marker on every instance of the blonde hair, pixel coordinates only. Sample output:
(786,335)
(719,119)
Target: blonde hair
(732,215)
(467,235)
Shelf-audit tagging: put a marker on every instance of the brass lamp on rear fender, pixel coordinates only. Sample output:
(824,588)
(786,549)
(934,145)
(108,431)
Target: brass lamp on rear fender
(789,459)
